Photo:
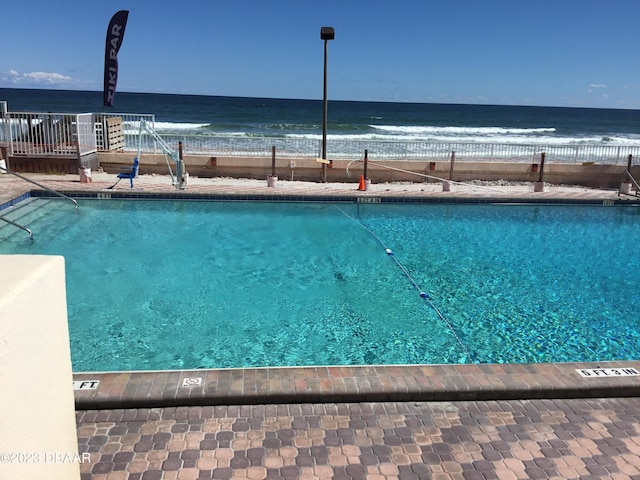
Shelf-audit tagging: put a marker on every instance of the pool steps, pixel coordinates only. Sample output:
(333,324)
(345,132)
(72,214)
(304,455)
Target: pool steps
(12,223)
(24,214)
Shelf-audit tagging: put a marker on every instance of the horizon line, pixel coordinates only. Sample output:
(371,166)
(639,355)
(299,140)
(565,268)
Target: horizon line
(320,100)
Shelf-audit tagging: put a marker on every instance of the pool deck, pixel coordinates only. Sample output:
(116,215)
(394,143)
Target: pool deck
(425,421)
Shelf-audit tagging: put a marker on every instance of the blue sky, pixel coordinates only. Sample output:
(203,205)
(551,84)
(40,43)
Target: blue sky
(519,52)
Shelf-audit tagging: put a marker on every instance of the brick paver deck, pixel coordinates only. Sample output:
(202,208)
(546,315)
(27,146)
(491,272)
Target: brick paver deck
(407,422)
(563,439)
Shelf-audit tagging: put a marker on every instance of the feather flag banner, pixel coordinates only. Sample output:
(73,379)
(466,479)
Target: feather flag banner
(115,34)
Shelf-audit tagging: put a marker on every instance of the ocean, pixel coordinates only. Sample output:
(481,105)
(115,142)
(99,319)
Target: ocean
(349,120)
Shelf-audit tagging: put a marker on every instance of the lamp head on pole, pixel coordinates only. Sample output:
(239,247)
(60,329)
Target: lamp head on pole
(327,33)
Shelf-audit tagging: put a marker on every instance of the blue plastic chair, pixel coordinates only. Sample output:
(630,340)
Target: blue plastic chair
(128,172)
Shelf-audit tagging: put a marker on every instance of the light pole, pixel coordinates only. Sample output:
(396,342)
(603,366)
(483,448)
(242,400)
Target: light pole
(326,34)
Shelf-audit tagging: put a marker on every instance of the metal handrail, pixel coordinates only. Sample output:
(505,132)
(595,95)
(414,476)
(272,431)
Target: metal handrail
(41,186)
(18,225)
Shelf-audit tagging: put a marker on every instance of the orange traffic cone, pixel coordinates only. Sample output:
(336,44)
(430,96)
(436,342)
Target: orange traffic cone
(363,184)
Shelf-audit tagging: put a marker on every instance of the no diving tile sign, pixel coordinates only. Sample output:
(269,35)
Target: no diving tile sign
(607,372)
(192,382)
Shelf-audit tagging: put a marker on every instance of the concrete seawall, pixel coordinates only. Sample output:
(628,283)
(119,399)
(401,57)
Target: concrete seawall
(308,169)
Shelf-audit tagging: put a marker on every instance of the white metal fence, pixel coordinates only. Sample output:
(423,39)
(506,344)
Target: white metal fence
(130,130)
(59,134)
(86,133)
(48,134)
(410,151)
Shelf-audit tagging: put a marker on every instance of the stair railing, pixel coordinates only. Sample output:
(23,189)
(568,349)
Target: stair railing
(41,186)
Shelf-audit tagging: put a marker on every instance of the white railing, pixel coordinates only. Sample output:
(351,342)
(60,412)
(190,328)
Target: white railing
(130,130)
(244,146)
(411,151)
(86,133)
(49,134)
(59,134)
(4,122)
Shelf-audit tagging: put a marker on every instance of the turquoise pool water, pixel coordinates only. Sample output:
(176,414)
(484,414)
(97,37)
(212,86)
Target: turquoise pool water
(180,285)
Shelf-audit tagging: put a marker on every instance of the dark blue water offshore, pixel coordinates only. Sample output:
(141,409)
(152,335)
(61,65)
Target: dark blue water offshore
(195,114)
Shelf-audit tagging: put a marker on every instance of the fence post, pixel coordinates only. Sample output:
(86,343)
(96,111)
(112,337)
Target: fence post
(364,181)
(273,160)
(446,186)
(453,159)
(271,179)
(539,185)
(366,163)
(182,177)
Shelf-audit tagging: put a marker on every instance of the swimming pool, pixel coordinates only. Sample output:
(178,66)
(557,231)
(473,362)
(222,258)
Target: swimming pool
(184,284)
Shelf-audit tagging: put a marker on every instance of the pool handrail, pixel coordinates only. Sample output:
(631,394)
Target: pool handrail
(41,186)
(633,180)
(19,226)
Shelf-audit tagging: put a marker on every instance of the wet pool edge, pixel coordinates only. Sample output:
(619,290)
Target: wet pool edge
(395,383)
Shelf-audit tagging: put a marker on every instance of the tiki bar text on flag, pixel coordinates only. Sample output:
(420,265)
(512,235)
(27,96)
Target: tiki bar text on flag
(115,34)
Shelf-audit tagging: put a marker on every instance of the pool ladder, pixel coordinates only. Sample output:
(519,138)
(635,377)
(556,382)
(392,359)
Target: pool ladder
(635,185)
(22,227)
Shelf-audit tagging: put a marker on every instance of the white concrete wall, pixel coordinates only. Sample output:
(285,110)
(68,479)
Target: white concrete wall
(38,437)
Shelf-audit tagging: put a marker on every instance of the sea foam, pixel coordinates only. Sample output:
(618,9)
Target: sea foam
(417,130)
(179,126)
